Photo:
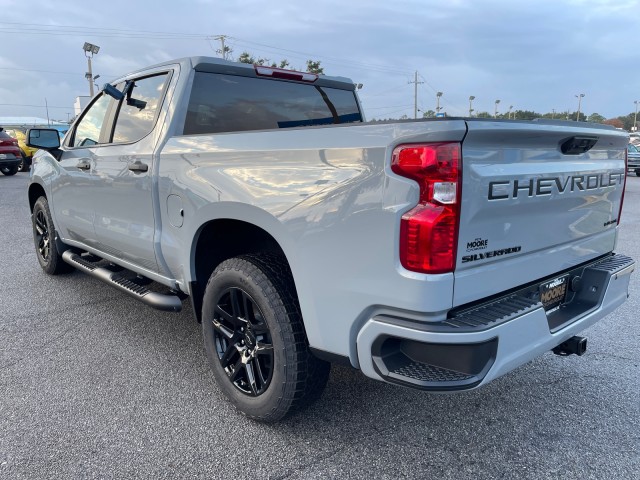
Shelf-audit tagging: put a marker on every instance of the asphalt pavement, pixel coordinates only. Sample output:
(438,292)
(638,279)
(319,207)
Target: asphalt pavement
(94,384)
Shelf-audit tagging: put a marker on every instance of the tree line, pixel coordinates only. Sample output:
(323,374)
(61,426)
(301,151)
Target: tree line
(312,66)
(623,121)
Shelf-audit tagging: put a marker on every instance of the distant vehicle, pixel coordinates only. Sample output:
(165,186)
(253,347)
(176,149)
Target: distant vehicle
(26,152)
(633,158)
(10,158)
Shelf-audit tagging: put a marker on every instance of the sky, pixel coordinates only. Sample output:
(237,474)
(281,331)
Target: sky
(532,55)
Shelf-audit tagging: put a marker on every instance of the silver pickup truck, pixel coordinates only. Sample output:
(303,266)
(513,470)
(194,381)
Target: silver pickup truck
(435,254)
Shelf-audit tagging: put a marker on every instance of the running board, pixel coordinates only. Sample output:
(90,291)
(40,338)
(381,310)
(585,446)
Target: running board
(159,301)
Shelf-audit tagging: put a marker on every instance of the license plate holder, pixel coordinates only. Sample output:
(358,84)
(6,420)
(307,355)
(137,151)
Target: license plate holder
(554,292)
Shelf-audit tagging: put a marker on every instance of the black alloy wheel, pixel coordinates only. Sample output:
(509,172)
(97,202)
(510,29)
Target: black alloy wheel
(255,341)
(243,342)
(42,237)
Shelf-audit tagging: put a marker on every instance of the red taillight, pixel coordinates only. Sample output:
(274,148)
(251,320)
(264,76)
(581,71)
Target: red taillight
(429,231)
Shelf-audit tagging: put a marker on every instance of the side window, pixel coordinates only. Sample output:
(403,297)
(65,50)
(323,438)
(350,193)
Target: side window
(89,128)
(138,110)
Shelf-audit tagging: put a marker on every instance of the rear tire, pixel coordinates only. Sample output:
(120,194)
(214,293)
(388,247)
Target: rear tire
(637,172)
(44,238)
(255,340)
(10,170)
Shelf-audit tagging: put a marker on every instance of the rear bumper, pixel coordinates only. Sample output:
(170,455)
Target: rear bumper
(9,160)
(490,339)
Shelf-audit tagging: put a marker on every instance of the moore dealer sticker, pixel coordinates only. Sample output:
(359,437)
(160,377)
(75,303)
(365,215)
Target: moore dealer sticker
(553,293)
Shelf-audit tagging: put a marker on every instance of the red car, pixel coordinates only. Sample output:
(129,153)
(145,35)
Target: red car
(10,157)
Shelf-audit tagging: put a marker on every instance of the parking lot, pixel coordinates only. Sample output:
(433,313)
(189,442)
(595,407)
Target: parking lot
(95,385)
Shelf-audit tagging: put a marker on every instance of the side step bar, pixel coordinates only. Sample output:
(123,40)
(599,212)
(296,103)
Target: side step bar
(160,301)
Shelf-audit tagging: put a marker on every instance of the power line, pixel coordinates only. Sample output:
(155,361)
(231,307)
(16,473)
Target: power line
(424,80)
(64,30)
(369,95)
(39,71)
(94,29)
(329,59)
(48,71)
(28,105)
(444,99)
(103,35)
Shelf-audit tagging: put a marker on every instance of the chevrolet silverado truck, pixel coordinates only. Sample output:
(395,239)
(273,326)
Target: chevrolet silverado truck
(435,254)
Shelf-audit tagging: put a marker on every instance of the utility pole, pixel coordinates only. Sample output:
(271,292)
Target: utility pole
(46,105)
(510,107)
(223,50)
(415,95)
(495,111)
(579,97)
(635,117)
(438,107)
(471,99)
(553,113)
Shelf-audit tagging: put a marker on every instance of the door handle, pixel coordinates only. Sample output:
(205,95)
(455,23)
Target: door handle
(138,166)
(83,165)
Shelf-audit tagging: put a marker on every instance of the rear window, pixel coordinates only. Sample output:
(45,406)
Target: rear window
(230,103)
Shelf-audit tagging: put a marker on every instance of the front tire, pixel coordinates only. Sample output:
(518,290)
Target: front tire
(637,172)
(44,238)
(10,170)
(255,340)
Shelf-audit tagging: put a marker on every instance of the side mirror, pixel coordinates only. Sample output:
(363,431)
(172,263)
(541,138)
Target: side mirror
(112,91)
(44,138)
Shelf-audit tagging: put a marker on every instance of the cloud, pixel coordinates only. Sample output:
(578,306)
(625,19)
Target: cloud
(536,55)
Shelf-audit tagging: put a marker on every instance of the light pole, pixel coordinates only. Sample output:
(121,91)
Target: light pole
(635,117)
(471,99)
(438,108)
(495,112)
(579,97)
(89,51)
(510,107)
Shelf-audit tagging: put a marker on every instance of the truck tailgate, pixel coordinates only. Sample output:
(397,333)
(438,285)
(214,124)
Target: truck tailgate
(529,210)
